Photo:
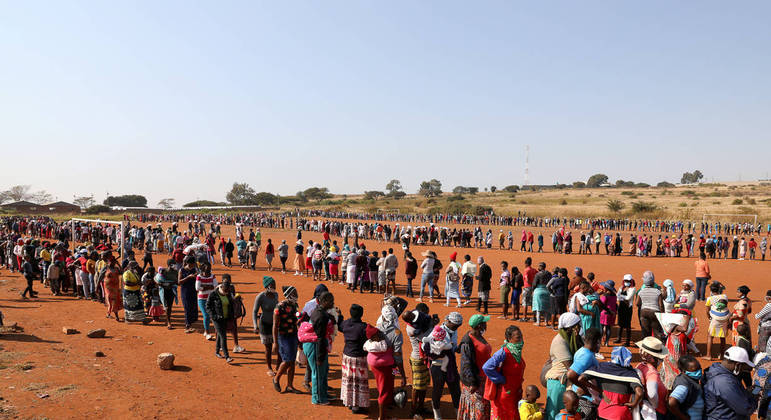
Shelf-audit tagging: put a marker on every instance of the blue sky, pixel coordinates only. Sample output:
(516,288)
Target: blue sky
(182,98)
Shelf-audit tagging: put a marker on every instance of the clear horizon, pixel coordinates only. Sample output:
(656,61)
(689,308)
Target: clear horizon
(180,100)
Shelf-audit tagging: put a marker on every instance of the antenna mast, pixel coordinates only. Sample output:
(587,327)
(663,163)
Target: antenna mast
(527,164)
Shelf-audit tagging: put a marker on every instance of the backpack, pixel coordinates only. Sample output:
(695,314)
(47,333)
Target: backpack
(239,310)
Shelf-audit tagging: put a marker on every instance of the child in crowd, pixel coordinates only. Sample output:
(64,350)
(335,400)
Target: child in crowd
(570,412)
(528,407)
(439,347)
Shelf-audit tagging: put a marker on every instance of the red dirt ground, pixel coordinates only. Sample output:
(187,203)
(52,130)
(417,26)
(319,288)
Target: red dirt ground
(127,382)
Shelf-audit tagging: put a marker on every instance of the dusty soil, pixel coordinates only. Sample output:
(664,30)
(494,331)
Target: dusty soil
(48,374)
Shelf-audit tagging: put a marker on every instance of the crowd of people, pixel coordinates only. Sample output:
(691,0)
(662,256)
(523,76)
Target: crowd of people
(483,383)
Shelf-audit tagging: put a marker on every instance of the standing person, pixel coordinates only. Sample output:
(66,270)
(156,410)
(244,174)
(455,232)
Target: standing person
(262,320)
(410,271)
(388,325)
(381,361)
(541,298)
(317,352)
(427,277)
(586,304)
(285,338)
(390,264)
(686,402)
(452,280)
(505,374)
(419,325)
(354,386)
(687,297)
(528,275)
(649,301)
(112,287)
(504,286)
(29,275)
(474,352)
(188,293)
(229,248)
(718,315)
(166,279)
(283,254)
(444,368)
(608,299)
(270,252)
(703,276)
(724,395)
(299,258)
(557,287)
(205,283)
(563,346)
(219,306)
(654,405)
(764,321)
(483,284)
(468,272)
(624,300)
(516,291)
(132,295)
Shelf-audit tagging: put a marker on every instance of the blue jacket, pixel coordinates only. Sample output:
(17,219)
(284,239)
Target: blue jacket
(724,395)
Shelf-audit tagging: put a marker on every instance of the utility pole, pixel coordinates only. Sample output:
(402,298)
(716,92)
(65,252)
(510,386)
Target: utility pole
(527,164)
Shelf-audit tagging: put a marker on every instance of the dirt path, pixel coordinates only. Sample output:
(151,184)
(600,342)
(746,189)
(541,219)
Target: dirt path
(74,383)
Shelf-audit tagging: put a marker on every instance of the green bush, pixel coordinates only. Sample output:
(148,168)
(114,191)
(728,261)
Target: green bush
(99,208)
(683,204)
(737,202)
(564,202)
(644,207)
(456,198)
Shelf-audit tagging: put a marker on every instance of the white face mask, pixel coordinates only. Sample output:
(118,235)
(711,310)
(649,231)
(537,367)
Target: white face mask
(737,370)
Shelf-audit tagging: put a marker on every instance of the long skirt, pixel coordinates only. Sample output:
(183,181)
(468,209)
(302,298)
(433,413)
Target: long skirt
(299,263)
(541,299)
(384,377)
(134,308)
(468,286)
(114,299)
(451,288)
(554,403)
(354,387)
(351,274)
(190,304)
(473,405)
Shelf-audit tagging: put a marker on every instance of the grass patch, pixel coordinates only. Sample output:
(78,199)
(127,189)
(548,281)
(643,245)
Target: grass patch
(737,202)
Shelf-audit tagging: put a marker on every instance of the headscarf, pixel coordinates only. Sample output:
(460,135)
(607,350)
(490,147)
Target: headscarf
(346,248)
(288,290)
(621,356)
(455,317)
(648,278)
(387,320)
(453,256)
(566,321)
(670,286)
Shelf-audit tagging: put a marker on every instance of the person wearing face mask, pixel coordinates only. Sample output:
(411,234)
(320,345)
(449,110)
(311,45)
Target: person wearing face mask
(652,350)
(219,306)
(563,346)
(262,320)
(317,352)
(724,395)
(474,352)
(686,402)
(625,297)
(505,370)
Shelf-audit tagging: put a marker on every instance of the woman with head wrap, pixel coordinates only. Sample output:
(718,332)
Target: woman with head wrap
(563,346)
(649,301)
(132,295)
(687,298)
(388,323)
(354,387)
(262,320)
(617,383)
(670,296)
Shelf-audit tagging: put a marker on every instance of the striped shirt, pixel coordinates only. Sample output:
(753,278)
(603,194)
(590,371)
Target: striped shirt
(649,298)
(764,316)
(205,285)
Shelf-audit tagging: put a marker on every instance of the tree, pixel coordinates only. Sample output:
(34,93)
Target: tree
(203,203)
(166,203)
(691,177)
(41,197)
(665,184)
(579,184)
(394,188)
(596,180)
(99,208)
(83,202)
(266,198)
(460,190)
(432,188)
(493,189)
(18,193)
(241,195)
(131,200)
(511,188)
(615,205)
(316,193)
(622,183)
(373,195)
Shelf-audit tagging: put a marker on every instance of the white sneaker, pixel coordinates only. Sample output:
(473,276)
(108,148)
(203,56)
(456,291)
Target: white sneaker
(238,349)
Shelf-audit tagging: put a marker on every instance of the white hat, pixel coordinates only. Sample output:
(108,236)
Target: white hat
(655,347)
(628,277)
(739,355)
(568,319)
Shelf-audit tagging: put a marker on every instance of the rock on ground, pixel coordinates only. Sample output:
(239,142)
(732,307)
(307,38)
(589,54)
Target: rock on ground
(69,330)
(98,333)
(166,361)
